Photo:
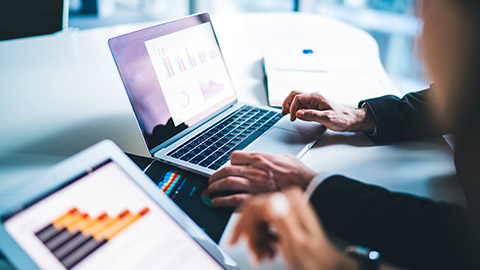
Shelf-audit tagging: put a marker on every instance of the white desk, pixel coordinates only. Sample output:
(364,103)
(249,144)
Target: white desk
(61,93)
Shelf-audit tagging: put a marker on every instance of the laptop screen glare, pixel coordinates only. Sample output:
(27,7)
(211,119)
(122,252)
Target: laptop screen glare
(174,79)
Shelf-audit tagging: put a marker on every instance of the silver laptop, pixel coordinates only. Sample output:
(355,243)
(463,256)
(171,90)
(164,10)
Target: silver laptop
(97,210)
(185,103)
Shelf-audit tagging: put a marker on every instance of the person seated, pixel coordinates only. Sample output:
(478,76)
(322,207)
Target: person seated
(408,231)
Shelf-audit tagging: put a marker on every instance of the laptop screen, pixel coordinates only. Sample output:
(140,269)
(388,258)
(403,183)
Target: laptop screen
(103,219)
(174,75)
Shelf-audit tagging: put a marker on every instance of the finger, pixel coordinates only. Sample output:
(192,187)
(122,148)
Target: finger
(226,171)
(299,101)
(245,158)
(238,230)
(247,213)
(281,213)
(253,226)
(230,183)
(216,176)
(311,222)
(255,175)
(242,158)
(282,217)
(307,218)
(287,101)
(321,117)
(309,229)
(230,201)
(267,166)
(260,241)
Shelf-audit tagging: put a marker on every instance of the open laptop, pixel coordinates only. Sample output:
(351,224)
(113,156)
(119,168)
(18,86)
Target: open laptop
(97,210)
(185,103)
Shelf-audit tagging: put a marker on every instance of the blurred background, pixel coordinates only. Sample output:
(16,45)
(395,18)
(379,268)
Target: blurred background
(393,23)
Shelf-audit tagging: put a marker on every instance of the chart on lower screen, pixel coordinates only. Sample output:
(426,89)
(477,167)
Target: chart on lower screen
(172,183)
(210,89)
(75,235)
(205,197)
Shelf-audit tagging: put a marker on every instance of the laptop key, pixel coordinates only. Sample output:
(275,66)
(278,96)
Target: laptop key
(178,154)
(196,159)
(187,157)
(205,163)
(270,114)
(211,159)
(200,149)
(213,146)
(214,166)
(249,140)
(264,128)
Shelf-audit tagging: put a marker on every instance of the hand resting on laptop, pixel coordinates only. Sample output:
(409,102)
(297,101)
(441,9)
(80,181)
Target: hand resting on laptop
(257,173)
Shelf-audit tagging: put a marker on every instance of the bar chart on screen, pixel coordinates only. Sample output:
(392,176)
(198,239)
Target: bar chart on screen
(190,71)
(171,183)
(75,235)
(104,220)
(175,63)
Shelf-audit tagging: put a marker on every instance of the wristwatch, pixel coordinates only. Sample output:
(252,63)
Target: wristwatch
(367,258)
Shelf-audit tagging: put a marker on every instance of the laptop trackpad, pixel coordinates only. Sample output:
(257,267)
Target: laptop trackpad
(281,141)
(309,128)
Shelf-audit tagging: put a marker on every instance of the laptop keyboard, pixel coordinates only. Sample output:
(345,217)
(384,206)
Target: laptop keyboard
(212,147)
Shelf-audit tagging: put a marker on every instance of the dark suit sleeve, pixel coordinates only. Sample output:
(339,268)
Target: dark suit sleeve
(408,118)
(409,231)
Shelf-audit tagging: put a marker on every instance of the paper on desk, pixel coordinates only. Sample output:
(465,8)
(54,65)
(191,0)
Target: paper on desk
(312,62)
(345,80)
(346,88)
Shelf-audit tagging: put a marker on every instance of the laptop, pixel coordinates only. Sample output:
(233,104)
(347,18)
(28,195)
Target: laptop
(185,103)
(97,210)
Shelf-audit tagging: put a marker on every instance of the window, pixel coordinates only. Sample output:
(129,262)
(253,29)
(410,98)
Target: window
(393,23)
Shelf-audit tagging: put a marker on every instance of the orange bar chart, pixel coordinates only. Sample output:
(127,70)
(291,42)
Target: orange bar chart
(74,235)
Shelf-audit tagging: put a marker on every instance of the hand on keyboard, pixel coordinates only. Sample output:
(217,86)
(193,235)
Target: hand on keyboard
(257,173)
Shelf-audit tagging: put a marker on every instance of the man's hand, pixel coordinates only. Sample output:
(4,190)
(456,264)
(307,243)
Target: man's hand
(257,173)
(286,221)
(334,116)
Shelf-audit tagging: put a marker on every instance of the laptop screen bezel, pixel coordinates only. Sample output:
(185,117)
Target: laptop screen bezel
(165,29)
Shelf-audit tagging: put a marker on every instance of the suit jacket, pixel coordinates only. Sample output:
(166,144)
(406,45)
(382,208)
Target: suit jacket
(409,231)
(403,119)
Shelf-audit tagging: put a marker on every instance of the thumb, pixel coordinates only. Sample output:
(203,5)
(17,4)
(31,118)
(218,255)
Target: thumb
(313,115)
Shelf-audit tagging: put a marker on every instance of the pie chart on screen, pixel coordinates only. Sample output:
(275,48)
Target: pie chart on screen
(205,197)
(183,99)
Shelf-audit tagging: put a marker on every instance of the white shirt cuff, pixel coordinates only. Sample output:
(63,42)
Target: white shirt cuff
(317,180)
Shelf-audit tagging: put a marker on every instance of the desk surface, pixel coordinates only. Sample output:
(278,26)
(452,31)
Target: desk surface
(61,93)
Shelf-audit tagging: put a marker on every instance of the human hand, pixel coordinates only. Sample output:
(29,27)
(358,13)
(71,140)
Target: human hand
(287,222)
(255,173)
(334,116)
